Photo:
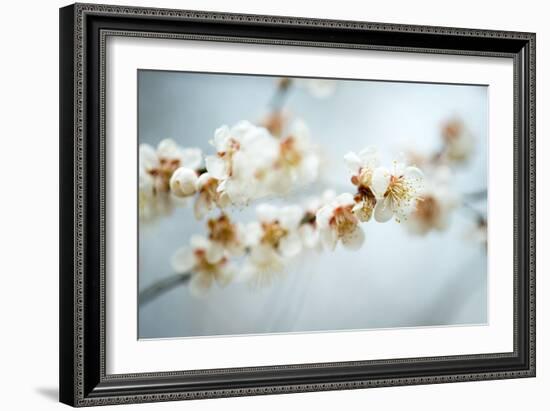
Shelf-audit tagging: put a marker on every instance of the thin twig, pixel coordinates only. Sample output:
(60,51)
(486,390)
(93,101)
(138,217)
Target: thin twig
(162,286)
(476,195)
(480,218)
(281,94)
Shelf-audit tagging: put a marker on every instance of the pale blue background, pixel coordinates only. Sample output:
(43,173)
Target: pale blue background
(395,280)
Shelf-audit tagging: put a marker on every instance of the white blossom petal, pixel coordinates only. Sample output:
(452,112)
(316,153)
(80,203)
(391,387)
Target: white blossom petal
(309,235)
(328,196)
(369,157)
(267,212)
(262,264)
(414,177)
(183,260)
(353,161)
(202,207)
(414,172)
(199,242)
(214,253)
(191,158)
(354,240)
(291,216)
(380,181)
(253,234)
(225,275)
(216,167)
(329,238)
(344,199)
(239,130)
(383,211)
(168,148)
(203,179)
(309,169)
(146,182)
(290,245)
(221,135)
(323,216)
(200,284)
(147,157)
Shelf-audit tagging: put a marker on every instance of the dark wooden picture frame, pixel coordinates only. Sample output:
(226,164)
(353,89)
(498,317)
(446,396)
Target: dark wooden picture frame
(83,30)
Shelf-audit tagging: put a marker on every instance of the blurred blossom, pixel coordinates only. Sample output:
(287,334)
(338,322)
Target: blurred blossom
(297,163)
(459,143)
(312,204)
(419,159)
(205,271)
(161,163)
(276,227)
(250,163)
(225,236)
(243,155)
(397,191)
(337,222)
(156,167)
(262,265)
(155,206)
(433,209)
(271,240)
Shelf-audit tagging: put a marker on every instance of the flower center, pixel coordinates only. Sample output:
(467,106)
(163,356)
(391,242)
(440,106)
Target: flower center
(399,190)
(163,172)
(289,153)
(273,233)
(343,220)
(222,230)
(363,179)
(206,267)
(209,189)
(367,199)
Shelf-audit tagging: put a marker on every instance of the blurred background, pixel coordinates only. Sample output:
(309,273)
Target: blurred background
(396,279)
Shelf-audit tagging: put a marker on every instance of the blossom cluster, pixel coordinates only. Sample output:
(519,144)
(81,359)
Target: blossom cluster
(280,234)
(249,163)
(439,200)
(161,173)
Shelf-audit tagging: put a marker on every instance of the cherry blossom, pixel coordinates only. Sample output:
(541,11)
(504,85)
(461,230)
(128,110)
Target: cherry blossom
(209,196)
(396,191)
(362,166)
(459,143)
(205,271)
(337,222)
(225,236)
(297,163)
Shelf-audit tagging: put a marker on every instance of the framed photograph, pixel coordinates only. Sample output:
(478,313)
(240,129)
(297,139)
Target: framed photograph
(261,204)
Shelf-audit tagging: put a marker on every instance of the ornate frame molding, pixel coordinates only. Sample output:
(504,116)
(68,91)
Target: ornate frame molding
(82,304)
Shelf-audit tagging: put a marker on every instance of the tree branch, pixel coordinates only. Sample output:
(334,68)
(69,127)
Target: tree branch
(162,286)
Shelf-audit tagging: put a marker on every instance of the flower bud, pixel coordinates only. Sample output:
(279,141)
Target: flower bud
(183,182)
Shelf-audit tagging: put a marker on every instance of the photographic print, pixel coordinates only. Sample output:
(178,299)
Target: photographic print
(282,204)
